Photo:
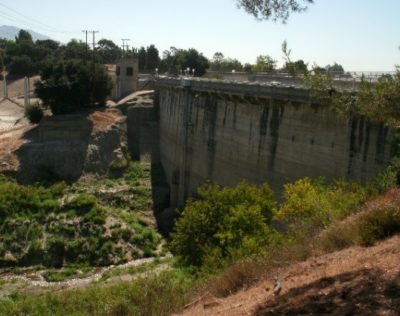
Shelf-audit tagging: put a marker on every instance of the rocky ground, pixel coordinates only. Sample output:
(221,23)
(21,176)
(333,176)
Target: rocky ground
(355,281)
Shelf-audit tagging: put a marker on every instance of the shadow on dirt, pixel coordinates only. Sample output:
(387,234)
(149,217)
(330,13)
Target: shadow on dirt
(363,292)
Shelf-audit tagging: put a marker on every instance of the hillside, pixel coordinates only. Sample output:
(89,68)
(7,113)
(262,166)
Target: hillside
(355,281)
(10,32)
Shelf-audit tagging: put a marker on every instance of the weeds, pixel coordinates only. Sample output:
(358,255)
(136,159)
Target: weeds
(160,294)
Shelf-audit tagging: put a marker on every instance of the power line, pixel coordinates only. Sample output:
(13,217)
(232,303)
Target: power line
(87,47)
(125,45)
(93,42)
(39,24)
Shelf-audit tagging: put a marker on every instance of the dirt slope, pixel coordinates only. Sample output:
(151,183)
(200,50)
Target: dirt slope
(355,281)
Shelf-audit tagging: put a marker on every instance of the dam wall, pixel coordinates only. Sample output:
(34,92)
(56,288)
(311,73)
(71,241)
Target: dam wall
(227,132)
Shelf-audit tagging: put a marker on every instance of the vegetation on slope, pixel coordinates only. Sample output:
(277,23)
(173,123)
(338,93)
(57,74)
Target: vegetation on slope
(93,223)
(345,222)
(222,222)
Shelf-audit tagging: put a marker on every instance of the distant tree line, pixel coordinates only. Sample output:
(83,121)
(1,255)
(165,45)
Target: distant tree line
(23,56)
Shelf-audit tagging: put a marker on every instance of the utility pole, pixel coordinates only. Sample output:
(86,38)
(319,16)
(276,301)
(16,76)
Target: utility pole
(125,45)
(93,43)
(87,47)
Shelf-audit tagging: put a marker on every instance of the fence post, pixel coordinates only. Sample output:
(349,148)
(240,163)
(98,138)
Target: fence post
(5,90)
(26,91)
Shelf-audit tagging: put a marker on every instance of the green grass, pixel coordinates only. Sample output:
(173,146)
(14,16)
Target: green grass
(320,218)
(57,275)
(135,270)
(63,225)
(161,294)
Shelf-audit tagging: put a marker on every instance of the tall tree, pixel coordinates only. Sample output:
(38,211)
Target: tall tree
(75,50)
(152,60)
(108,51)
(24,36)
(264,63)
(68,86)
(335,69)
(176,61)
(296,67)
(273,9)
(142,58)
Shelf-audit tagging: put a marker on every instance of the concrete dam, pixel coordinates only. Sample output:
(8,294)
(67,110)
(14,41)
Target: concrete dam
(228,132)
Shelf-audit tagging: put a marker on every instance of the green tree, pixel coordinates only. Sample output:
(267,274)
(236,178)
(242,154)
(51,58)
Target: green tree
(264,63)
(273,9)
(108,51)
(216,62)
(21,65)
(220,63)
(152,60)
(222,223)
(50,45)
(296,67)
(142,59)
(23,36)
(293,67)
(73,85)
(248,67)
(75,50)
(230,64)
(176,61)
(335,69)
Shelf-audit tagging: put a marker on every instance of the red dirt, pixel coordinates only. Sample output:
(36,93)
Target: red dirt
(10,141)
(102,120)
(355,281)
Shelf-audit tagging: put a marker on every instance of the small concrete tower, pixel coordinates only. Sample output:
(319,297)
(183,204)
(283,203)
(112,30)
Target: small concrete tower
(127,71)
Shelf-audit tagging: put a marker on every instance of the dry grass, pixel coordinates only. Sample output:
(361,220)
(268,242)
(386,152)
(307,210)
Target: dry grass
(102,120)
(377,220)
(354,281)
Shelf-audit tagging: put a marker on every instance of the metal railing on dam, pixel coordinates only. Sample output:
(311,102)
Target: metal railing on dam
(278,91)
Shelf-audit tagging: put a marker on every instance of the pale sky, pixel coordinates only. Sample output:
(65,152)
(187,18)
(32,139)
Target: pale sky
(362,35)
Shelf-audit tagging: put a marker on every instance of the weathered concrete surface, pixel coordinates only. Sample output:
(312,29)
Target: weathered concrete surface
(67,146)
(228,132)
(143,143)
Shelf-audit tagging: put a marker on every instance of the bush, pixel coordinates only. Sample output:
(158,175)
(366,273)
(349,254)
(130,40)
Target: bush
(313,204)
(223,223)
(34,113)
(72,86)
(377,220)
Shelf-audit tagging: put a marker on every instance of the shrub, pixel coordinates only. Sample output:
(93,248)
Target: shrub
(380,222)
(390,177)
(223,223)
(34,113)
(377,220)
(311,203)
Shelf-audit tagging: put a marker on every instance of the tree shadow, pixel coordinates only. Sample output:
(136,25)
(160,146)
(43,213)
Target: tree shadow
(363,292)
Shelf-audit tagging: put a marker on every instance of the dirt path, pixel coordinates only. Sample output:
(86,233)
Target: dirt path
(36,282)
(356,281)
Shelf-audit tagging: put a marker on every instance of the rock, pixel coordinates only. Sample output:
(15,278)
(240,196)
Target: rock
(68,146)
